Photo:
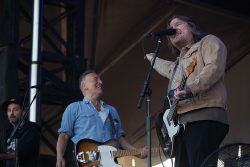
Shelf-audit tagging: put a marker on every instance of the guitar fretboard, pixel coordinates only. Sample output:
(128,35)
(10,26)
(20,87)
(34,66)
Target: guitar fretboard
(175,102)
(121,153)
(185,76)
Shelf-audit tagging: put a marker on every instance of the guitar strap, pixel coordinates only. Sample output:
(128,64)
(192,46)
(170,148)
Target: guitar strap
(116,144)
(112,122)
(174,74)
(166,105)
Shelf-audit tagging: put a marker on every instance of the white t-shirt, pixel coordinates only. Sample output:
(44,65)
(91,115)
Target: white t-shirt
(103,115)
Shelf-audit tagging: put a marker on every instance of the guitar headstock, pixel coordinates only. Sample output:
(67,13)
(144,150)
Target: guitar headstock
(191,66)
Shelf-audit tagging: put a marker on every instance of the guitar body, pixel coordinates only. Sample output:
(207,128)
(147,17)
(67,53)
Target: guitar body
(89,153)
(173,130)
(162,135)
(167,131)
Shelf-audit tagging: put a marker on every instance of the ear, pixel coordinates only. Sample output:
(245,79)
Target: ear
(83,87)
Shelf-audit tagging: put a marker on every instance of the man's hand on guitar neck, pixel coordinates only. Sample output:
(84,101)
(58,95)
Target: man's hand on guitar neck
(143,152)
(127,146)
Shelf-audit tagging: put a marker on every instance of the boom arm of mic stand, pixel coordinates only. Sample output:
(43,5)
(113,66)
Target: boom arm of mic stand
(146,82)
(26,111)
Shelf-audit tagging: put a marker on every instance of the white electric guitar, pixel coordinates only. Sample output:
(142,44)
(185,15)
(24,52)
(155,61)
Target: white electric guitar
(89,153)
(174,128)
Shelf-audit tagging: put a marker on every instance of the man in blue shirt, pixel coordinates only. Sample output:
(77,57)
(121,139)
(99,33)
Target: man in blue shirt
(92,119)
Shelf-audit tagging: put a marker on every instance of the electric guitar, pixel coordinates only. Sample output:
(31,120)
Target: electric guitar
(168,130)
(90,153)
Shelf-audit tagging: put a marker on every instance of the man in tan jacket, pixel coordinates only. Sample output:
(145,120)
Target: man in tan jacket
(201,103)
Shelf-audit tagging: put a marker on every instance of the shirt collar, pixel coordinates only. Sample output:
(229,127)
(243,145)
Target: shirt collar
(190,45)
(185,49)
(87,101)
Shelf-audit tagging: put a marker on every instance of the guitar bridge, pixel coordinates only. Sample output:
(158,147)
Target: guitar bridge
(87,157)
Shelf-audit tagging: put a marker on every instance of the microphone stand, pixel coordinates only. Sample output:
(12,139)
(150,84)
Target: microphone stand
(14,131)
(146,91)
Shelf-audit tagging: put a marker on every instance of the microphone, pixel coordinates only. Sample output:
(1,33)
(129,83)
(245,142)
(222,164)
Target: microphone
(168,31)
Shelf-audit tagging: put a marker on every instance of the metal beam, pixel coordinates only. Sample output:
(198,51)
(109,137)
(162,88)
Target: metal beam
(66,53)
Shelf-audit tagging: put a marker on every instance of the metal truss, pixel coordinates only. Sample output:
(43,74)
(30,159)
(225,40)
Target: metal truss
(61,57)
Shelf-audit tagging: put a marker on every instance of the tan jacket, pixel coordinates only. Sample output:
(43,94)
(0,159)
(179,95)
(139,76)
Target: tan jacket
(206,81)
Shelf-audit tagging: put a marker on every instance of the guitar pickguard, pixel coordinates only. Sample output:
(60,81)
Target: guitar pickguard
(106,155)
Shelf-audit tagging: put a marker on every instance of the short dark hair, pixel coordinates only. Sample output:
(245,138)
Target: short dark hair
(83,75)
(198,34)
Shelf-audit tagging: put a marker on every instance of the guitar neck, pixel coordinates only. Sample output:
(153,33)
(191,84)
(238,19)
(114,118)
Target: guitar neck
(122,153)
(175,101)
(183,82)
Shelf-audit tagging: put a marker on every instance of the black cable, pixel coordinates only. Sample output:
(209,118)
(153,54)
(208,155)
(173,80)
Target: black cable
(24,99)
(160,154)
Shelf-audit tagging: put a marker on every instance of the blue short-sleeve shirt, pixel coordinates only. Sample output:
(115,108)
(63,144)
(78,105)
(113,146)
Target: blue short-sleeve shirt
(81,121)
